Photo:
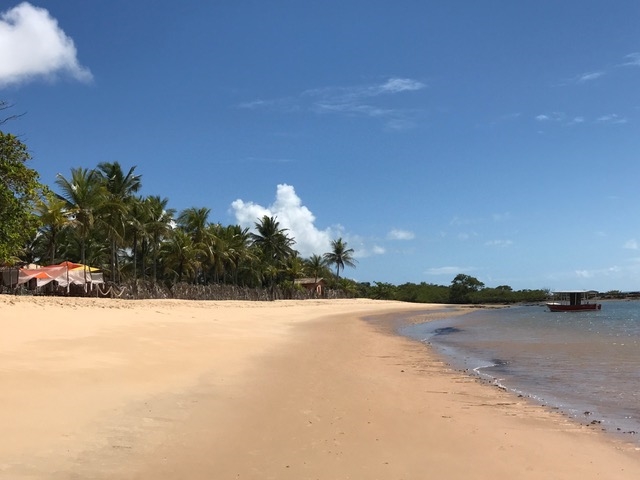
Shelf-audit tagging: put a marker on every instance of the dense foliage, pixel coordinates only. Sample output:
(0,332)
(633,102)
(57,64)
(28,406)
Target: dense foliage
(463,289)
(96,218)
(19,190)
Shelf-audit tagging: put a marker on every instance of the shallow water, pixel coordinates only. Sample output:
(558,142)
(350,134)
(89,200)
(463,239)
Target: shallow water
(587,364)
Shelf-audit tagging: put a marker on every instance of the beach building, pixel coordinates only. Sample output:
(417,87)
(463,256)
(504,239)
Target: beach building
(62,276)
(316,286)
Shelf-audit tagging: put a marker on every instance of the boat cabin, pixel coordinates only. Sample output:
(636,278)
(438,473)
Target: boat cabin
(574,300)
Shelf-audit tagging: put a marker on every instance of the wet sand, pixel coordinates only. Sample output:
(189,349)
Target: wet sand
(283,390)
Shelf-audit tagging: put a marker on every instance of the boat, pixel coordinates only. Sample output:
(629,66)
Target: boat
(574,301)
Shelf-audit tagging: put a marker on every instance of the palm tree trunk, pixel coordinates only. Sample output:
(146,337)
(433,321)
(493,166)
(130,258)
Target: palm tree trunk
(113,261)
(155,259)
(135,263)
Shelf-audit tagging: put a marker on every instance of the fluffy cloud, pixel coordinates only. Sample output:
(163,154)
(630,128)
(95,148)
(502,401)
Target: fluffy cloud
(631,244)
(33,45)
(292,215)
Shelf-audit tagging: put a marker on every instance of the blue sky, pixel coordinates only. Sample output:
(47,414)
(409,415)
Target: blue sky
(496,139)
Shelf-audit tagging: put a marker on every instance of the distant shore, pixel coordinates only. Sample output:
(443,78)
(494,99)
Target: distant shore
(166,389)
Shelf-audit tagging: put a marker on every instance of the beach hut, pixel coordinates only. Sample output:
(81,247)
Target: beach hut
(315,286)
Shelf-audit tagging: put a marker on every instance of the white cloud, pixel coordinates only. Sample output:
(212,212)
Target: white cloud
(292,215)
(355,101)
(396,234)
(631,244)
(33,45)
(460,221)
(562,118)
(499,243)
(351,93)
(584,274)
(359,101)
(395,85)
(633,60)
(501,217)
(602,272)
(451,270)
(582,78)
(363,251)
(550,117)
(611,118)
(256,104)
(587,77)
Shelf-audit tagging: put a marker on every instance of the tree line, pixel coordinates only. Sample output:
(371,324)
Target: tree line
(96,217)
(464,289)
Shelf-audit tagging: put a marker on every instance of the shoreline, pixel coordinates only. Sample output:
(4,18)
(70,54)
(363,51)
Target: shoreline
(307,389)
(583,413)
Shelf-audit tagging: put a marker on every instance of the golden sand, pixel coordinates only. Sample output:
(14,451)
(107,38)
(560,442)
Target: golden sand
(114,389)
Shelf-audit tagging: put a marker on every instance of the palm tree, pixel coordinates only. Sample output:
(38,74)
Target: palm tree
(340,256)
(316,265)
(181,257)
(137,233)
(240,253)
(159,225)
(120,189)
(54,217)
(194,222)
(295,267)
(273,241)
(86,194)
(274,247)
(216,252)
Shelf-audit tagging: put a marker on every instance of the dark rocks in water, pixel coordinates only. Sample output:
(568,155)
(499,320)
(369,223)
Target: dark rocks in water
(446,330)
(498,362)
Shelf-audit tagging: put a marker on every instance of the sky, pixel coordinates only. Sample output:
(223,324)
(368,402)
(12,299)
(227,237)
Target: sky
(495,139)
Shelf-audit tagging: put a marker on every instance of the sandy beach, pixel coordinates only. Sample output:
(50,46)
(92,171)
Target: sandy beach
(110,389)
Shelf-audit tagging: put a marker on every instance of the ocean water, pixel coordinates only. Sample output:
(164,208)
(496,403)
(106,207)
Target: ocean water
(586,364)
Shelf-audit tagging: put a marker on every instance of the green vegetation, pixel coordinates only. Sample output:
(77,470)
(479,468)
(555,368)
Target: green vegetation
(19,191)
(97,218)
(340,256)
(463,289)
